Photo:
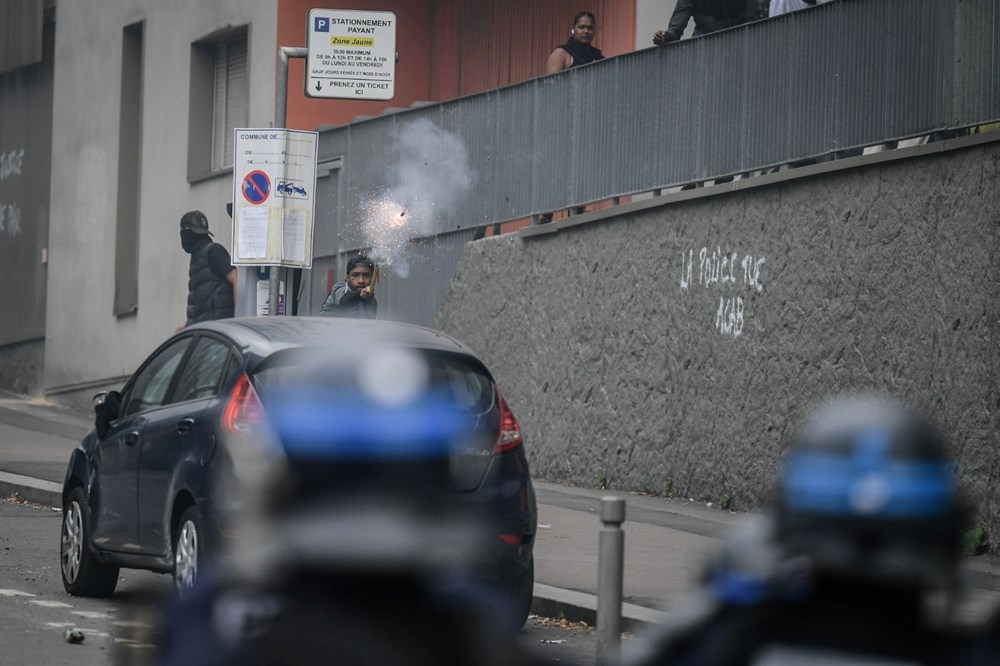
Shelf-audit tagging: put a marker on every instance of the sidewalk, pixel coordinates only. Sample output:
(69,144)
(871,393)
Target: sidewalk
(665,539)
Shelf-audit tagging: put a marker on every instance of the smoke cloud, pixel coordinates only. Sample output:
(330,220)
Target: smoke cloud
(429,179)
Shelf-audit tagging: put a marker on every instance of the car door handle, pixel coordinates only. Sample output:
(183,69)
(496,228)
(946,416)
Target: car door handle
(132,437)
(185,425)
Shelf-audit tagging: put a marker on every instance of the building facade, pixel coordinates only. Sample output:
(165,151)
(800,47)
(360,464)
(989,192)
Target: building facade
(123,121)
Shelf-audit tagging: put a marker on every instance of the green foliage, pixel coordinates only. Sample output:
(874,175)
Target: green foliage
(975,541)
(726,502)
(668,488)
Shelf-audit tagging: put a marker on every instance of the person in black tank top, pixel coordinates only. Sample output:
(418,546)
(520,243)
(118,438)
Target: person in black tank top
(577,49)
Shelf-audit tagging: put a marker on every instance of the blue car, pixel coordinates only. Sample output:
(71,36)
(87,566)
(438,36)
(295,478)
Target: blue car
(142,489)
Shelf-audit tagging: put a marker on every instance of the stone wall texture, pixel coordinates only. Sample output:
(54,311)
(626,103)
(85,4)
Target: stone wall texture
(674,350)
(21,367)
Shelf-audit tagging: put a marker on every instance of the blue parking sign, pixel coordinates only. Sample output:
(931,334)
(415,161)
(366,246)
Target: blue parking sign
(322,24)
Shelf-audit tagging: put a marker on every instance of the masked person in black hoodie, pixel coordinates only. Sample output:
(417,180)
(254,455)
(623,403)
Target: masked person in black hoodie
(211,276)
(577,49)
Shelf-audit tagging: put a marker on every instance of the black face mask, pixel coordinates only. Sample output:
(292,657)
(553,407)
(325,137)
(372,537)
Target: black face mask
(190,240)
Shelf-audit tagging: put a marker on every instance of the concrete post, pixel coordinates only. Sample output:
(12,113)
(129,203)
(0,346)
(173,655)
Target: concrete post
(610,565)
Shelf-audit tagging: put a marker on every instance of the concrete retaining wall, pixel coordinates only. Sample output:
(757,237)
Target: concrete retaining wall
(674,349)
(21,366)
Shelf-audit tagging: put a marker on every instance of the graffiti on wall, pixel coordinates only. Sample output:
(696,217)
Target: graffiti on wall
(731,273)
(10,211)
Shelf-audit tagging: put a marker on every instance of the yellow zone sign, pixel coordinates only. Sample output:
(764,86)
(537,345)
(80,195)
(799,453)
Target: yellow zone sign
(364,42)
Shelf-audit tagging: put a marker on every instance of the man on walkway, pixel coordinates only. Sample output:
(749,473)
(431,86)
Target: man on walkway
(211,276)
(709,16)
(355,297)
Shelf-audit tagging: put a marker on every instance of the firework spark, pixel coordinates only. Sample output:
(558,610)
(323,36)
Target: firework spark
(387,229)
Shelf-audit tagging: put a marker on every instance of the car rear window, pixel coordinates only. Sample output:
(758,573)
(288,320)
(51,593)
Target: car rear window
(454,379)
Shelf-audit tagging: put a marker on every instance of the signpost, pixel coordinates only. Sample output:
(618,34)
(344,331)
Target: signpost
(274,180)
(352,54)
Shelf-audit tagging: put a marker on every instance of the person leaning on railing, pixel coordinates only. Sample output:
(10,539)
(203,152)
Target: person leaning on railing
(709,16)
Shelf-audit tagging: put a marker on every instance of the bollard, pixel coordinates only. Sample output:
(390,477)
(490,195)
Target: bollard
(610,563)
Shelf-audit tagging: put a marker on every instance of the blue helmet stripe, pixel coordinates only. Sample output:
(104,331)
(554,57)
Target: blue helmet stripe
(837,485)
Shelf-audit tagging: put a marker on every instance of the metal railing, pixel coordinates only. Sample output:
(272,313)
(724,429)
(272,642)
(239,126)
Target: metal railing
(818,82)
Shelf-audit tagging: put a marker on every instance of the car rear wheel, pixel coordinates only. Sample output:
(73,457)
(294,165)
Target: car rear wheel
(82,574)
(521,594)
(190,549)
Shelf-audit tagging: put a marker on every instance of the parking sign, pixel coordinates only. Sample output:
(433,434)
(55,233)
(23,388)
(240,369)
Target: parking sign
(352,54)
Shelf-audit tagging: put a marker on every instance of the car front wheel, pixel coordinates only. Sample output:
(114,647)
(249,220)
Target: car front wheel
(82,574)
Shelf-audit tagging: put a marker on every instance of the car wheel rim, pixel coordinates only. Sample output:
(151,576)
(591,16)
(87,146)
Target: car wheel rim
(72,542)
(186,557)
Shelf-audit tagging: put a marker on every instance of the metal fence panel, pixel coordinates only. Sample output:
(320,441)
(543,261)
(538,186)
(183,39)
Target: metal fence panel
(977,61)
(416,296)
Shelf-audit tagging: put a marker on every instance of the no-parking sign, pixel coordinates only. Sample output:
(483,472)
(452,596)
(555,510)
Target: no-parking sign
(256,187)
(274,178)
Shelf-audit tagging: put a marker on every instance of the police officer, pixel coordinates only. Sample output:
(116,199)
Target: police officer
(349,547)
(866,527)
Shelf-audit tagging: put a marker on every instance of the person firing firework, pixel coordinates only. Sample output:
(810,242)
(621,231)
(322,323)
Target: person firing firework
(355,297)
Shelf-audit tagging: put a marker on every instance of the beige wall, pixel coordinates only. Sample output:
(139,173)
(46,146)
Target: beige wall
(85,342)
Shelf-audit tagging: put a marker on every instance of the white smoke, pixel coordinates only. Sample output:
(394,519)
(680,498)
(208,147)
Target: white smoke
(427,182)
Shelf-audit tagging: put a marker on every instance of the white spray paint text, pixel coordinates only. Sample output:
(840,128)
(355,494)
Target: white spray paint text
(718,269)
(10,163)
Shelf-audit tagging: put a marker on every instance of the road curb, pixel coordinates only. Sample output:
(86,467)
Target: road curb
(577,606)
(33,490)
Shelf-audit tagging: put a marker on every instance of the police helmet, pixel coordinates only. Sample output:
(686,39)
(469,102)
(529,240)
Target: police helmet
(748,568)
(196,222)
(868,491)
(353,468)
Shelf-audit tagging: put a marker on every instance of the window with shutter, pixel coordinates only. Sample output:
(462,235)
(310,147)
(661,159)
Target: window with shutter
(230,100)
(219,101)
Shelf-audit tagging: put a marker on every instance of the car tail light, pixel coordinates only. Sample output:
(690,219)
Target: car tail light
(511,539)
(509,437)
(244,410)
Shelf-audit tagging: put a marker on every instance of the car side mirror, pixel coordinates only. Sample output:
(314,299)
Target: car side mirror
(107,408)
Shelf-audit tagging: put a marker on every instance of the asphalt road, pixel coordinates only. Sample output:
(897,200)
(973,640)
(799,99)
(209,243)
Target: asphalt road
(35,611)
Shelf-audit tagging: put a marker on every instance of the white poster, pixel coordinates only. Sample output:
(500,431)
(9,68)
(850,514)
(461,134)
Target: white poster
(251,232)
(293,234)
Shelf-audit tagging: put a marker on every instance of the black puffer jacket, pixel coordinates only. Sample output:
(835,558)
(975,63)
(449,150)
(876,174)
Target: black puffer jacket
(209,296)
